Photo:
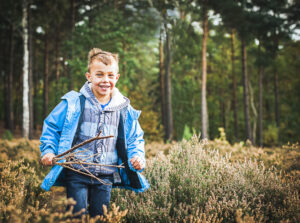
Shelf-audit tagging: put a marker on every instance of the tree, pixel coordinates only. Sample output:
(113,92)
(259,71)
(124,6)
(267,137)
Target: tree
(234,100)
(26,115)
(168,86)
(204,112)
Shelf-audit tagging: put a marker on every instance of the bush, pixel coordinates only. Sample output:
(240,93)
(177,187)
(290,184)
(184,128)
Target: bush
(20,192)
(7,135)
(192,182)
(271,135)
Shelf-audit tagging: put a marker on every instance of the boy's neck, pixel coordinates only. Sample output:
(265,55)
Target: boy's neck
(102,99)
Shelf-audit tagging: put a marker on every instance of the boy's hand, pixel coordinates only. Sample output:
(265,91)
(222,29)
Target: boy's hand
(47,159)
(137,163)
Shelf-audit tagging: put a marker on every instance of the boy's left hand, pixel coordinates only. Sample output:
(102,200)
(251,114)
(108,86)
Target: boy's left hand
(137,163)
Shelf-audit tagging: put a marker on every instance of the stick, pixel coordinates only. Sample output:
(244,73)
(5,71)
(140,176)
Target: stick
(83,143)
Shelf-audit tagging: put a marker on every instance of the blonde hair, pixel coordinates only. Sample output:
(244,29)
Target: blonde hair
(102,56)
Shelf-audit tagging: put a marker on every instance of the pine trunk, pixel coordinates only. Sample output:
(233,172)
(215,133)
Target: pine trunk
(276,95)
(168,89)
(35,83)
(204,112)
(46,77)
(26,116)
(10,82)
(260,130)
(161,78)
(70,86)
(246,92)
(234,101)
(30,77)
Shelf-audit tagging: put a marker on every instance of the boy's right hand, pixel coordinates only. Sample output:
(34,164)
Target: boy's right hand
(47,159)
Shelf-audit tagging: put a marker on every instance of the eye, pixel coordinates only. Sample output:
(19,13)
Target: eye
(99,75)
(111,75)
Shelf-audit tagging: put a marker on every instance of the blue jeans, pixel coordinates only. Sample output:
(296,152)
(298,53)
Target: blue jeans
(88,192)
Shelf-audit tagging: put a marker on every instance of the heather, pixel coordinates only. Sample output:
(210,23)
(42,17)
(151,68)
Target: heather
(191,181)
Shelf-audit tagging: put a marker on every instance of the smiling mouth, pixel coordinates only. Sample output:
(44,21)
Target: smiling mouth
(104,86)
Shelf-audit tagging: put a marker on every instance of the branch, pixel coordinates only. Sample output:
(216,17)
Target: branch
(81,144)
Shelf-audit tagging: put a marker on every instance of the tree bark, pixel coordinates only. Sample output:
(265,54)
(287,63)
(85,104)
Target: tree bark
(234,101)
(70,86)
(10,81)
(57,69)
(161,78)
(276,95)
(168,89)
(246,92)
(26,116)
(251,97)
(46,77)
(31,122)
(260,133)
(35,84)
(204,111)
(260,110)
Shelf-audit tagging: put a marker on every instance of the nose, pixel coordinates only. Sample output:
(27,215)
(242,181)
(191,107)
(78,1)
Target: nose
(105,78)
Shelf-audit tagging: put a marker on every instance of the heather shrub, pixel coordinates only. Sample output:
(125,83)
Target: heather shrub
(194,181)
(21,197)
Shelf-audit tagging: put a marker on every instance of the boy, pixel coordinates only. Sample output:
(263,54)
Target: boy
(98,107)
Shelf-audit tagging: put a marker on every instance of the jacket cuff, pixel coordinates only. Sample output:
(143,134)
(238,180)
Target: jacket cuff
(135,170)
(48,150)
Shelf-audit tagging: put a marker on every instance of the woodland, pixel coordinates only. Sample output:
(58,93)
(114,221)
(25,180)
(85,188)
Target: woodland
(218,86)
(190,66)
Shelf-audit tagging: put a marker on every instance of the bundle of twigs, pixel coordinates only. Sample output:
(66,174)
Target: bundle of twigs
(71,157)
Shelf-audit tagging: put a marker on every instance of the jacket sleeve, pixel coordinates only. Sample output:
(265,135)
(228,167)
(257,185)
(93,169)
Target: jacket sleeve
(52,129)
(135,140)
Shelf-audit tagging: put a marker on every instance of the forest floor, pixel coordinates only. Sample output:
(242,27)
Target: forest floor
(165,163)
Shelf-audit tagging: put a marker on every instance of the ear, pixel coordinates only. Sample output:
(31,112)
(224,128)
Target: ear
(88,76)
(117,76)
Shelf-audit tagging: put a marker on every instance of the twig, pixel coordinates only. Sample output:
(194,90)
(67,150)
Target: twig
(90,175)
(81,144)
(95,164)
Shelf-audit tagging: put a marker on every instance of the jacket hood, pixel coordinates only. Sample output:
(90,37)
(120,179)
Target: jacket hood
(118,101)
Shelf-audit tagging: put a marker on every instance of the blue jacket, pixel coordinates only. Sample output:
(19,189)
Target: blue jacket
(60,128)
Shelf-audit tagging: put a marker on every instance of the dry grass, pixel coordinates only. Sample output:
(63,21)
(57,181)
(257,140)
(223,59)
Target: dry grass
(191,181)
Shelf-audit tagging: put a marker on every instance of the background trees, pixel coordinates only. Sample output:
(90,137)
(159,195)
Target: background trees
(244,66)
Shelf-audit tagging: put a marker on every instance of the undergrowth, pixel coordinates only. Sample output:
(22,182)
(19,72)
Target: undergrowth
(191,181)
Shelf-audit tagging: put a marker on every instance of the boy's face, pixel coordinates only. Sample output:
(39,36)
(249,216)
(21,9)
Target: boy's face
(103,78)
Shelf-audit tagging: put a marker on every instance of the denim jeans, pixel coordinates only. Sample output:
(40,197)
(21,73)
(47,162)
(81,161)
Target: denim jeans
(88,192)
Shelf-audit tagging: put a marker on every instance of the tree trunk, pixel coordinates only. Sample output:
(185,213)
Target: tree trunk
(260,77)
(251,94)
(31,122)
(70,86)
(10,82)
(57,70)
(35,84)
(168,89)
(246,94)
(5,74)
(46,77)
(25,72)
(234,101)
(276,94)
(204,112)
(161,78)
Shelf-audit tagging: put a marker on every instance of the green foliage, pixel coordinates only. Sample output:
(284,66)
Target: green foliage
(187,134)
(271,135)
(7,135)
